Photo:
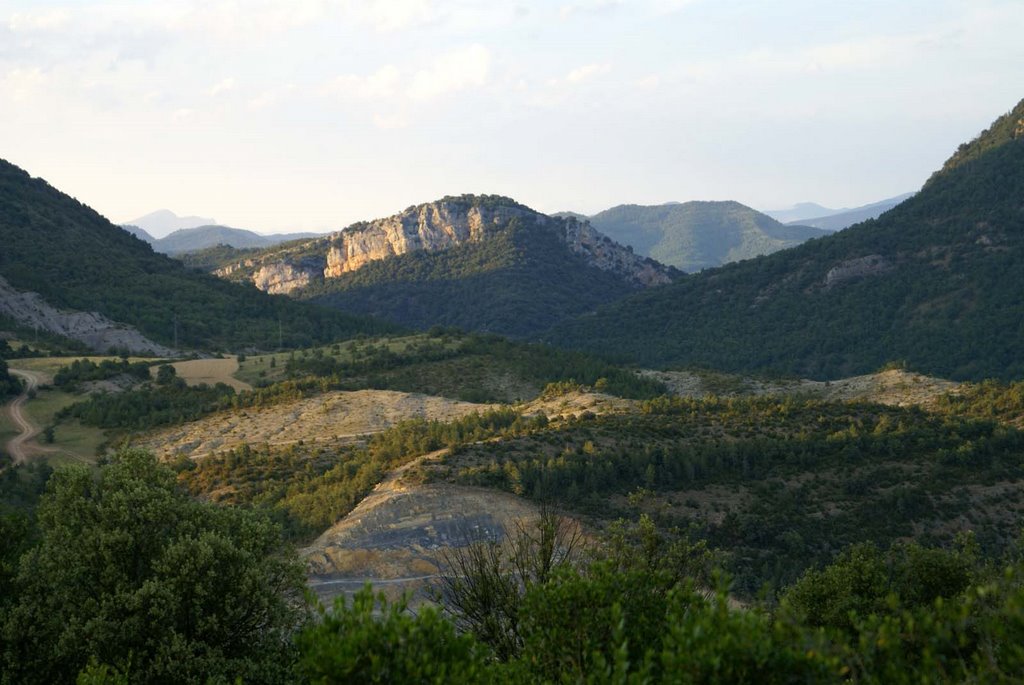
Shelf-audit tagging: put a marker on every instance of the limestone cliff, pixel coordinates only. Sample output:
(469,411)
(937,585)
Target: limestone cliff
(434,226)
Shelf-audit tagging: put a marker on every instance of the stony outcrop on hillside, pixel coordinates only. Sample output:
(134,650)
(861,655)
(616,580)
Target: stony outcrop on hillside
(95,330)
(434,226)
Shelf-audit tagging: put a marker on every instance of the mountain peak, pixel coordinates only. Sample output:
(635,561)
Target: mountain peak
(163,222)
(1008,128)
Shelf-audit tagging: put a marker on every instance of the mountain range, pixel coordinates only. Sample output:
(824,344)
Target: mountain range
(185,240)
(935,283)
(60,260)
(480,262)
(838,219)
(813,214)
(164,221)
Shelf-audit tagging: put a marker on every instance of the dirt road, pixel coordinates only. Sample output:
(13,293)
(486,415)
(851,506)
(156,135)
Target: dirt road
(18,446)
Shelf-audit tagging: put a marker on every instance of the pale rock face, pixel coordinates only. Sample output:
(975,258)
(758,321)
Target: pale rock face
(870,265)
(432,227)
(281,278)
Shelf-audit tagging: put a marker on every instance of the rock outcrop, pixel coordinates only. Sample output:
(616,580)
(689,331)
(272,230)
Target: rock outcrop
(861,267)
(430,227)
(95,330)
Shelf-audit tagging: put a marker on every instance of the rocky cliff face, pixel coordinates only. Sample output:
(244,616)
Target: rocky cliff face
(95,330)
(431,227)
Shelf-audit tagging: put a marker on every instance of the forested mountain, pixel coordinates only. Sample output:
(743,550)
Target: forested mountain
(203,237)
(837,221)
(482,263)
(55,246)
(699,235)
(936,282)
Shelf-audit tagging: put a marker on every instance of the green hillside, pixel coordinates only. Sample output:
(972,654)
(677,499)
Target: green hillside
(936,282)
(699,235)
(519,281)
(75,258)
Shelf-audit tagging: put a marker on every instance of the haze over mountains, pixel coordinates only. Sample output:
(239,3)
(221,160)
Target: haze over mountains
(937,282)
(839,219)
(163,221)
(812,214)
(202,237)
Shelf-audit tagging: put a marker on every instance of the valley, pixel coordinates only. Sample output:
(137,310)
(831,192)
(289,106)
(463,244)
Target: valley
(659,440)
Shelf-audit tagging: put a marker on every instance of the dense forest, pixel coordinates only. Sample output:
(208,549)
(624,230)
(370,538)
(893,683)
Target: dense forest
(211,594)
(780,485)
(9,385)
(934,282)
(519,281)
(692,236)
(74,258)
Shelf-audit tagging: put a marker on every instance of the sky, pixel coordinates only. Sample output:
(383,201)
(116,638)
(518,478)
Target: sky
(308,115)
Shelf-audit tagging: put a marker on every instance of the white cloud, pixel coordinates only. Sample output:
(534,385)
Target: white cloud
(46,20)
(382,83)
(222,87)
(20,85)
(670,6)
(393,15)
(590,7)
(457,70)
(587,72)
(390,120)
(649,82)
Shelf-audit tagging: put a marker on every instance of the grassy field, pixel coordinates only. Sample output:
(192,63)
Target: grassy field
(209,371)
(73,442)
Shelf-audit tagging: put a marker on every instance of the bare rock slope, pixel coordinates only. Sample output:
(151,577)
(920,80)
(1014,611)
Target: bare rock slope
(95,330)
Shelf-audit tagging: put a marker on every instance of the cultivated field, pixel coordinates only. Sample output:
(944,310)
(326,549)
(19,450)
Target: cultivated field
(209,371)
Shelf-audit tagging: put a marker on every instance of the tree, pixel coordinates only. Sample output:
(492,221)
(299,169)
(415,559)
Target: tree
(132,574)
(373,641)
(486,580)
(165,374)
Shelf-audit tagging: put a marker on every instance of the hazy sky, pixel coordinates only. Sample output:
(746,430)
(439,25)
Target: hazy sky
(310,114)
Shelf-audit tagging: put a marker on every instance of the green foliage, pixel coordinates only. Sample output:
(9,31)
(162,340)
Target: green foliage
(150,406)
(165,374)
(210,259)
(75,258)
(83,370)
(9,385)
(131,573)
(699,235)
(311,489)
(948,302)
(1003,130)
(371,640)
(990,400)
(445,363)
(864,581)
(779,485)
(486,580)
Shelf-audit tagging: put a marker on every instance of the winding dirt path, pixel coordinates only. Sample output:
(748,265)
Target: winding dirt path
(19,447)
